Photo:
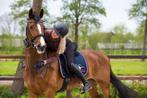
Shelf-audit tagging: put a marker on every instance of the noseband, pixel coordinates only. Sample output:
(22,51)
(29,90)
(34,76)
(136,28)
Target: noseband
(30,42)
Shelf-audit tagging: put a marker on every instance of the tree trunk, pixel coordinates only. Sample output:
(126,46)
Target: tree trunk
(145,40)
(76,31)
(37,5)
(18,85)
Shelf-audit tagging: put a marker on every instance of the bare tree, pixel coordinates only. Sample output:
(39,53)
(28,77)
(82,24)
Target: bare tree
(8,28)
(37,5)
(8,25)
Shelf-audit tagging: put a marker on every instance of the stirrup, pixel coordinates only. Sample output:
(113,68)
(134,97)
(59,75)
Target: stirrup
(86,88)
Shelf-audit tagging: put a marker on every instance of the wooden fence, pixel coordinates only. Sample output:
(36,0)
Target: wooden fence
(14,57)
(110,56)
(139,77)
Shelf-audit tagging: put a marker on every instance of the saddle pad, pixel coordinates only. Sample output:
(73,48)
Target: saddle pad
(79,61)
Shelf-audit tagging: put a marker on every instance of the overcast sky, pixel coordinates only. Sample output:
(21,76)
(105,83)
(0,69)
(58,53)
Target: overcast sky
(117,12)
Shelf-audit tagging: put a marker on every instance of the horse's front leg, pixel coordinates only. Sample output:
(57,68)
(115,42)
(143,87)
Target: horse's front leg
(50,93)
(33,95)
(68,93)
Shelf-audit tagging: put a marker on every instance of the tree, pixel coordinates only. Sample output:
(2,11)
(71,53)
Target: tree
(8,29)
(119,33)
(99,37)
(139,12)
(20,5)
(17,87)
(37,5)
(20,8)
(8,25)
(79,12)
(140,32)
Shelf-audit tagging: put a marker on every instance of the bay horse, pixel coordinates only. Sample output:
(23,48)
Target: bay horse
(48,81)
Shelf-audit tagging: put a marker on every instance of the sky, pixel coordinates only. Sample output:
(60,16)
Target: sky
(117,13)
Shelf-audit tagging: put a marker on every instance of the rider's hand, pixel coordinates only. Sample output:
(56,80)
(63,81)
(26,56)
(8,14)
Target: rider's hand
(39,64)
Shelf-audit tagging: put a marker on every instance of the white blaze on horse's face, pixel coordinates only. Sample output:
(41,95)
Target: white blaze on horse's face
(41,47)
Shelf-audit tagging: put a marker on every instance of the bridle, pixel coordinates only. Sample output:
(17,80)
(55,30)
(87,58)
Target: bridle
(30,42)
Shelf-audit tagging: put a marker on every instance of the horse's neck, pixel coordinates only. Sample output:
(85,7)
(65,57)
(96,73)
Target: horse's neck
(31,57)
(51,54)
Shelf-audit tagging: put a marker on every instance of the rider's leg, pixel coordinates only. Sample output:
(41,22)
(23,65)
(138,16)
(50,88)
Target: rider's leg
(73,68)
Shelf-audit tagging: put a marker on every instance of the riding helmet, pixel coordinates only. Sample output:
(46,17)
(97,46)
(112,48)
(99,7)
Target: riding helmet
(61,28)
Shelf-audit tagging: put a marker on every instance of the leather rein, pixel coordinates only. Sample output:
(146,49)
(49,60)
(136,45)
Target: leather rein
(30,42)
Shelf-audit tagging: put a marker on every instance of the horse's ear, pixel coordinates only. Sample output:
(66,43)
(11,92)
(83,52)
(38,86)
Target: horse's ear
(31,13)
(41,13)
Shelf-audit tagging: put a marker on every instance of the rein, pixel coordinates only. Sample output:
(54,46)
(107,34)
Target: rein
(30,42)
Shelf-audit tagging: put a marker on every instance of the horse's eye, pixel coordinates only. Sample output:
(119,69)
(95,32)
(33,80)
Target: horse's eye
(31,27)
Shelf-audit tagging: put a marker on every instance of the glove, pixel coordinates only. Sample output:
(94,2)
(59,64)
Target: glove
(38,65)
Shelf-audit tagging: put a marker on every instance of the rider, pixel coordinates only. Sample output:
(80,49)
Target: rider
(57,41)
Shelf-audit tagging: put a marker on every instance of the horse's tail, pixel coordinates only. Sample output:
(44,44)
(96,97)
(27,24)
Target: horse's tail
(124,91)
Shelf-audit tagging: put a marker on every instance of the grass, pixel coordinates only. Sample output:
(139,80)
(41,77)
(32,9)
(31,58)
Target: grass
(8,67)
(140,88)
(120,67)
(129,67)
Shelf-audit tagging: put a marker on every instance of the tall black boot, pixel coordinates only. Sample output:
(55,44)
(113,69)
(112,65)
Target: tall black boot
(79,74)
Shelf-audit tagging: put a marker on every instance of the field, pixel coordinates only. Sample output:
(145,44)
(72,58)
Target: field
(120,67)
(129,67)
(8,67)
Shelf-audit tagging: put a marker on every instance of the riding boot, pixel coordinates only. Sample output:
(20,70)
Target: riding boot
(79,74)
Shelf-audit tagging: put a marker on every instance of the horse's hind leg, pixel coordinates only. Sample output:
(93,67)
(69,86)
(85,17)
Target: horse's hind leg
(105,88)
(93,92)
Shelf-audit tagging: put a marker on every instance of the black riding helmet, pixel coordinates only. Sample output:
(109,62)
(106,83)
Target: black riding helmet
(61,28)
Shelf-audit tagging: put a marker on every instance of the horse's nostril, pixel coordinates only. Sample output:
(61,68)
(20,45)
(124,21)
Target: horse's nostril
(44,46)
(41,48)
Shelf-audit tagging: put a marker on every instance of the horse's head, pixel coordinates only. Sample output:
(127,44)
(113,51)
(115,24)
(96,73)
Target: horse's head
(35,32)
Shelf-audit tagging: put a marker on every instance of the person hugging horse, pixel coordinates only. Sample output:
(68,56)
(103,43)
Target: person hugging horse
(57,41)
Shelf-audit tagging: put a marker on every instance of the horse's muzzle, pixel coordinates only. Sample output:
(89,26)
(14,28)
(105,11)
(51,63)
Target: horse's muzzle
(41,49)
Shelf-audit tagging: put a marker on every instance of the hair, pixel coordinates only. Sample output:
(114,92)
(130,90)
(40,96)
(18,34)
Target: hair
(62,45)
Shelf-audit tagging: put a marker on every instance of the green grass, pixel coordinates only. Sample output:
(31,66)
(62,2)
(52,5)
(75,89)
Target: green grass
(140,88)
(129,67)
(121,67)
(8,67)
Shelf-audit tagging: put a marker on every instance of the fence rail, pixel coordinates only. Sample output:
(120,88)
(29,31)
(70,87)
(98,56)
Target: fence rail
(9,78)
(11,56)
(127,56)
(110,56)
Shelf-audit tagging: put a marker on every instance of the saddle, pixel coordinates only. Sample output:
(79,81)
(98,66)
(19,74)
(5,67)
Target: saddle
(79,60)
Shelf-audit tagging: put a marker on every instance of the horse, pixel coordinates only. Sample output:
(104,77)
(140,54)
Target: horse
(48,80)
